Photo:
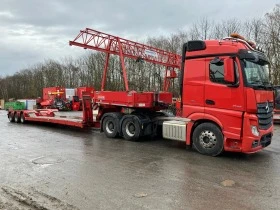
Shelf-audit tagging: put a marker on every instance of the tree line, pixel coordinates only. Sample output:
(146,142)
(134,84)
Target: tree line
(87,70)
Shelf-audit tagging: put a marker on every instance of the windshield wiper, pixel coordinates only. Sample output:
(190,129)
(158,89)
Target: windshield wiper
(268,84)
(258,84)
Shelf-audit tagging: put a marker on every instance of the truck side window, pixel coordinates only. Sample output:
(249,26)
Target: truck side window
(216,71)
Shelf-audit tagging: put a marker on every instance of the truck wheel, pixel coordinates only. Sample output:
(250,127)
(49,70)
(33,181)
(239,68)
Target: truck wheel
(208,139)
(11,117)
(22,118)
(110,127)
(131,129)
(17,117)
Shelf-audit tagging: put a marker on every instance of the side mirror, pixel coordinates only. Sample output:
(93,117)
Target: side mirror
(229,70)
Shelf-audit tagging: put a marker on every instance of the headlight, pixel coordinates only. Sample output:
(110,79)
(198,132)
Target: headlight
(254,130)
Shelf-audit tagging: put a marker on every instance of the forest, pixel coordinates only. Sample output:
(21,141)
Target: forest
(87,70)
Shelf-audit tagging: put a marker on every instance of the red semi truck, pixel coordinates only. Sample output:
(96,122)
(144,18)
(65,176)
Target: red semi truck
(226,100)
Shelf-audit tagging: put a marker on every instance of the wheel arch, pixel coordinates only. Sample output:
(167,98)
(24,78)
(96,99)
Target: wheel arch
(198,121)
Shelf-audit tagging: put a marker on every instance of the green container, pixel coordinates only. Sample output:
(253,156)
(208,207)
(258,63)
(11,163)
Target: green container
(15,105)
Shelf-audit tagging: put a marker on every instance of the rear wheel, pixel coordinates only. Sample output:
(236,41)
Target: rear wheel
(110,127)
(208,139)
(17,117)
(131,129)
(22,118)
(11,117)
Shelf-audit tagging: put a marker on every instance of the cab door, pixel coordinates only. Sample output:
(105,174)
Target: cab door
(222,100)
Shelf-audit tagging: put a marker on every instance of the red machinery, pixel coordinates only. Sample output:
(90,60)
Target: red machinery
(76,103)
(57,98)
(79,93)
(226,100)
(54,97)
(80,90)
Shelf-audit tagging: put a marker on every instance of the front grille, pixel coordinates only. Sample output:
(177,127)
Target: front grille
(265,115)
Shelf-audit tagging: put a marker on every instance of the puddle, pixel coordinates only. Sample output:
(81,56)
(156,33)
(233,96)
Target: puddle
(46,161)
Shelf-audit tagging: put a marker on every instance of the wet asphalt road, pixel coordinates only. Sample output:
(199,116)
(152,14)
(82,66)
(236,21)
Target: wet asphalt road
(47,167)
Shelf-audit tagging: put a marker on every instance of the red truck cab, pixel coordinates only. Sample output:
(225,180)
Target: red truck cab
(226,93)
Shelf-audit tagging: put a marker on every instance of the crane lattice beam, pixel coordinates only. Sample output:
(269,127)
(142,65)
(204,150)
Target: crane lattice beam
(96,40)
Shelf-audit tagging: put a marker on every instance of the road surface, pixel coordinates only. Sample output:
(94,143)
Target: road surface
(47,167)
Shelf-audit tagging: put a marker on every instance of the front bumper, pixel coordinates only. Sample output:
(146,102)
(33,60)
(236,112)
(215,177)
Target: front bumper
(251,143)
(248,142)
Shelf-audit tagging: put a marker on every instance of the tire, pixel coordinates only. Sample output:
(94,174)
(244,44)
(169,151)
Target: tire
(22,118)
(11,117)
(110,127)
(131,129)
(208,139)
(17,117)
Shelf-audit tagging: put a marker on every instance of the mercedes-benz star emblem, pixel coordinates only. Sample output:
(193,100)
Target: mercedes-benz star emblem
(267,107)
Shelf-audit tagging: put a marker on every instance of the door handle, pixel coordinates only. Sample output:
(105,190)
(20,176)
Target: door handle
(209,102)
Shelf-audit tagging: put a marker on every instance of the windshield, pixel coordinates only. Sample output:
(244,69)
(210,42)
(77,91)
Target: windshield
(256,74)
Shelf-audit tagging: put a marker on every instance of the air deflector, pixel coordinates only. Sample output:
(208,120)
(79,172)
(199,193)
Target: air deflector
(195,45)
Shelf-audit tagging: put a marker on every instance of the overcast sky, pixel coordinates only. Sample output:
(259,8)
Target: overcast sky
(34,30)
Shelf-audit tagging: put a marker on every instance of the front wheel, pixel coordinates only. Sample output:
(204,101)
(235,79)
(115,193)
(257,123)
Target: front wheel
(208,139)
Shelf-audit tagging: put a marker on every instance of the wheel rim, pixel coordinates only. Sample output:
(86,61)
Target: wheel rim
(11,117)
(130,129)
(110,127)
(207,139)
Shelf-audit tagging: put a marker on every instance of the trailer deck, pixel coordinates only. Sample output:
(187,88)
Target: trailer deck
(55,117)
(46,116)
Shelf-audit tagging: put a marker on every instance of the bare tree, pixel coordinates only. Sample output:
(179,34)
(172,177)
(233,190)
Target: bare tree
(142,76)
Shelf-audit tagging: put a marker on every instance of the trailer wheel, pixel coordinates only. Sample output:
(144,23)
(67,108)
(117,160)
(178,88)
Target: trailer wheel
(208,139)
(11,117)
(22,118)
(17,117)
(131,129)
(110,127)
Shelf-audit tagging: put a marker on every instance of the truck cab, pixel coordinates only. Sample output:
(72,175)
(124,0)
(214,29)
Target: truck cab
(226,92)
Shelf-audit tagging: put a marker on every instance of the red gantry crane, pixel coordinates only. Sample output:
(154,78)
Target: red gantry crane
(109,44)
